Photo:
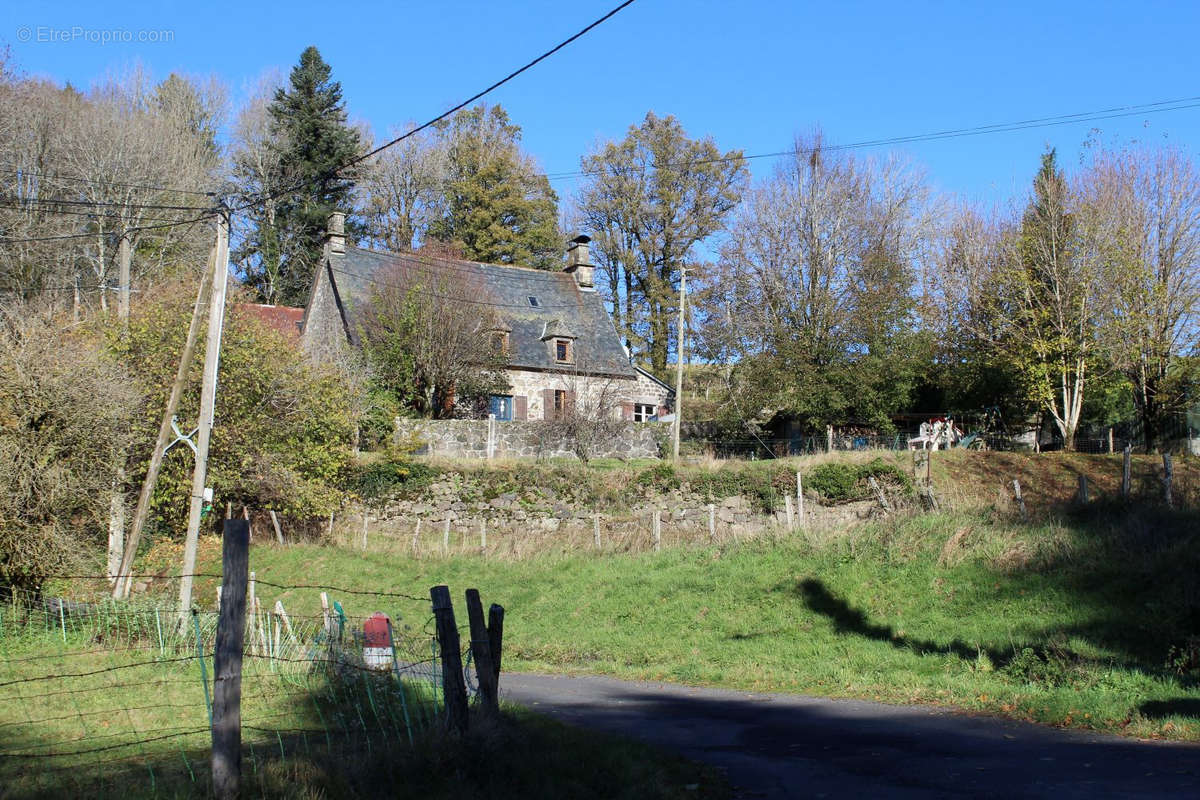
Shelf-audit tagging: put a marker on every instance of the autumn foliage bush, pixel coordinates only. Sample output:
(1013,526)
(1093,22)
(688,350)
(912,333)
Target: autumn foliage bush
(283,425)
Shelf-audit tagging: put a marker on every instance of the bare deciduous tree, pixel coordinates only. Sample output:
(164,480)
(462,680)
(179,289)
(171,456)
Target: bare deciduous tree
(404,192)
(588,421)
(1146,204)
(426,341)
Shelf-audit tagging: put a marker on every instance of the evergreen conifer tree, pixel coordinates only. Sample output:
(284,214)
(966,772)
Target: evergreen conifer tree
(312,139)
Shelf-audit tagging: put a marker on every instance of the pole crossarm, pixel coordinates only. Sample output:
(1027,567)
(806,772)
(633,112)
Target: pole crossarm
(180,436)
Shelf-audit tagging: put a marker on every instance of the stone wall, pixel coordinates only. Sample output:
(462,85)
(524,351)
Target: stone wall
(468,438)
(534,517)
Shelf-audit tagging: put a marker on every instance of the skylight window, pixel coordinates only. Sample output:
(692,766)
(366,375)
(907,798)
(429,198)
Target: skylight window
(533,302)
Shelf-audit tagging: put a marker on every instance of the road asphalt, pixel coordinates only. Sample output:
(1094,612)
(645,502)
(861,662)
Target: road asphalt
(782,746)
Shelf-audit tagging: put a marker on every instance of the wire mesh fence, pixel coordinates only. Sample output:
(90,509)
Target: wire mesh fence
(98,693)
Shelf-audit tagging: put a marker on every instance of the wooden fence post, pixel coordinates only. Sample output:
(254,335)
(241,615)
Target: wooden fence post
(251,606)
(482,537)
(1020,499)
(787,511)
(481,652)
(879,495)
(1168,478)
(1110,440)
(227,661)
(1127,472)
(275,524)
(1082,493)
(656,529)
(454,689)
(496,637)
(596,530)
(446,537)
(712,522)
(364,543)
(799,497)
(416,536)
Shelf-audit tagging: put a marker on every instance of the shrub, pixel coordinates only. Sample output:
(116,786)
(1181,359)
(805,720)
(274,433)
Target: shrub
(390,476)
(283,424)
(842,483)
(65,412)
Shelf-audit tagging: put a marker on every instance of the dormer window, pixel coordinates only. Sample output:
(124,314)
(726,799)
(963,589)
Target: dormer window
(562,351)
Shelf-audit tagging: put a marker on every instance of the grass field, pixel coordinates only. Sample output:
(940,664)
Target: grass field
(1082,617)
(1088,619)
(106,701)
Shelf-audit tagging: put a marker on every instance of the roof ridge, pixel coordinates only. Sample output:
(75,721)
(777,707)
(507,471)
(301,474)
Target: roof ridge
(463,261)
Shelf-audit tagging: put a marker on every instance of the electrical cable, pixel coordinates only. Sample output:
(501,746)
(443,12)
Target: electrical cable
(332,173)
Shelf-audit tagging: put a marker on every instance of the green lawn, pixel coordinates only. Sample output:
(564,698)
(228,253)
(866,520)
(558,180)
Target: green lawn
(1088,621)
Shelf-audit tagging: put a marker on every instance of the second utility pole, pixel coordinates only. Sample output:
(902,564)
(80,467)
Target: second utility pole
(679,367)
(208,399)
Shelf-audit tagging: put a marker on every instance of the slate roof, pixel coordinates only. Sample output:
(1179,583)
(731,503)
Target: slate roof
(562,308)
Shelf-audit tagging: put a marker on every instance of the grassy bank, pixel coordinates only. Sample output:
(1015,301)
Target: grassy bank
(1085,620)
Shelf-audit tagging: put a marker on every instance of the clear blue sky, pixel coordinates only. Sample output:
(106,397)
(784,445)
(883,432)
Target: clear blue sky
(751,74)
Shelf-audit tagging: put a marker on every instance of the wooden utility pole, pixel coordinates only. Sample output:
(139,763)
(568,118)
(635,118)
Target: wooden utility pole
(227,661)
(208,398)
(124,259)
(679,367)
(122,586)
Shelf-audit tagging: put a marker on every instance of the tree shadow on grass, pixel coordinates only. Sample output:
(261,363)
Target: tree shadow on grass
(848,619)
(1177,707)
(1045,659)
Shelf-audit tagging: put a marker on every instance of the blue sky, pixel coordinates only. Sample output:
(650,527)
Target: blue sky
(751,74)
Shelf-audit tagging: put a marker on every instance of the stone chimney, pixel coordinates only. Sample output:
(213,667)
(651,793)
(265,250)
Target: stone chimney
(579,263)
(335,232)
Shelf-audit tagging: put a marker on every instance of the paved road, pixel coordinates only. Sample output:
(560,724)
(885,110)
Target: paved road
(776,746)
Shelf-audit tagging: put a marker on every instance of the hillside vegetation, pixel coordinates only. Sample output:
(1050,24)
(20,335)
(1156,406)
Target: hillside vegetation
(1083,616)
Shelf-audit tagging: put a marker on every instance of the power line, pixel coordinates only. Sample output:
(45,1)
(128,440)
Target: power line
(359,159)
(210,215)
(109,204)
(1160,106)
(44,207)
(92,182)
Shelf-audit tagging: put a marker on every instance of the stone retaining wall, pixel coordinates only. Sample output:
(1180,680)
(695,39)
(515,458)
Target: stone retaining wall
(468,438)
(458,500)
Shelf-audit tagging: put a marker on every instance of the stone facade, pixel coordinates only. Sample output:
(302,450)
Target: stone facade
(532,393)
(468,438)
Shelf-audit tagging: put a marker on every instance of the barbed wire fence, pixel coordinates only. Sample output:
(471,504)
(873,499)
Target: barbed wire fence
(102,693)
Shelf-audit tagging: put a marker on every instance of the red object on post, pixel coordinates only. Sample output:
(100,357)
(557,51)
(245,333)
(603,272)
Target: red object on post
(377,641)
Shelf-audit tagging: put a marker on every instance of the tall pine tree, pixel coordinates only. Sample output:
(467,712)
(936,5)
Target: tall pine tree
(310,139)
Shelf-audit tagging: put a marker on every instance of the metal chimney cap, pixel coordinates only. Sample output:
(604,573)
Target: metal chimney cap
(582,238)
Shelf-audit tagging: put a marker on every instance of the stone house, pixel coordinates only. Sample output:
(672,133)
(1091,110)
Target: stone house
(563,350)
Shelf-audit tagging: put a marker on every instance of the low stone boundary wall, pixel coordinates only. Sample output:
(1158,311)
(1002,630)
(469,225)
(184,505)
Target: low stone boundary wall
(482,438)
